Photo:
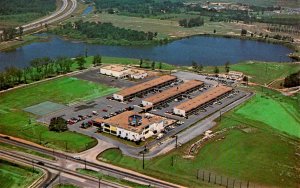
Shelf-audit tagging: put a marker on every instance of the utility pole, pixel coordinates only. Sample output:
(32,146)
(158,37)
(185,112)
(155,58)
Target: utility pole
(40,138)
(32,166)
(66,145)
(99,180)
(176,141)
(220,116)
(143,160)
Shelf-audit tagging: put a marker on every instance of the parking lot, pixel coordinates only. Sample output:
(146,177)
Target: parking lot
(104,107)
(95,76)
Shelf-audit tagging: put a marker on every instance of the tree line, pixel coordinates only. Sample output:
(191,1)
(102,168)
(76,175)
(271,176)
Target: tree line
(192,22)
(13,7)
(139,7)
(103,31)
(42,68)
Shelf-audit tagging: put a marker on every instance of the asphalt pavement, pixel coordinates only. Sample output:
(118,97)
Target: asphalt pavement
(104,106)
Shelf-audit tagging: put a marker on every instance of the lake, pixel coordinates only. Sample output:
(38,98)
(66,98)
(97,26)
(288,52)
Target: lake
(202,49)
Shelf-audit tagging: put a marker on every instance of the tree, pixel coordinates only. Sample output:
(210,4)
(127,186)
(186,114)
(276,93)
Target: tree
(243,32)
(21,31)
(160,65)
(2,80)
(141,63)
(19,74)
(292,80)
(200,67)
(215,30)
(216,70)
(194,65)
(245,79)
(80,61)
(97,60)
(227,67)
(27,71)
(153,65)
(58,124)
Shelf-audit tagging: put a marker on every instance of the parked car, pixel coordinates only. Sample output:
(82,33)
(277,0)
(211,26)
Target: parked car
(104,110)
(85,125)
(159,136)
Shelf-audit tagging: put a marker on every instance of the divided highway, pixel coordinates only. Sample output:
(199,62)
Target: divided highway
(68,6)
(107,168)
(44,164)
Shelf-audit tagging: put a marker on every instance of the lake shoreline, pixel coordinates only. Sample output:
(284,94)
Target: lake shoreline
(201,48)
(293,46)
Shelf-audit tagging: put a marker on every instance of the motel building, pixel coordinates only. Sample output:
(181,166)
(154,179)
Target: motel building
(172,93)
(201,101)
(144,88)
(132,126)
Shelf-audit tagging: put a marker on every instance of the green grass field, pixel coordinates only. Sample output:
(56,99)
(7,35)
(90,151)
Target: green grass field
(4,146)
(65,90)
(274,113)
(165,28)
(16,176)
(96,174)
(271,71)
(262,156)
(255,70)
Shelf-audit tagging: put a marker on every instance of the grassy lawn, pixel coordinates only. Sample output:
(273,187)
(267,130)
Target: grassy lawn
(255,70)
(65,90)
(109,178)
(4,146)
(165,28)
(262,156)
(16,176)
(276,113)
(271,71)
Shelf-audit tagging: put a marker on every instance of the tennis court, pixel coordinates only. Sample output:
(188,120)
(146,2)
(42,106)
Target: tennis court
(44,108)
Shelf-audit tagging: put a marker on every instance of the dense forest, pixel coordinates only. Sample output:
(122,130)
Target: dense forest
(11,7)
(139,7)
(16,12)
(104,33)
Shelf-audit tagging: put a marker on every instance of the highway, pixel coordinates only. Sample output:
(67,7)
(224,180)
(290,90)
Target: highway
(68,6)
(106,168)
(23,158)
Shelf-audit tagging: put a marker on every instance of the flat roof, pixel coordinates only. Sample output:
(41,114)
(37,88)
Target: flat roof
(146,85)
(117,68)
(203,98)
(173,91)
(121,121)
